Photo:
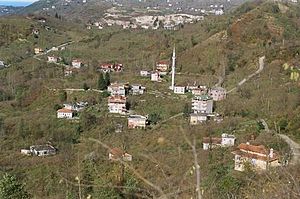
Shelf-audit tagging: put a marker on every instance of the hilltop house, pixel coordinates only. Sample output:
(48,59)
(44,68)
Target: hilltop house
(218,93)
(65,113)
(117,104)
(117,154)
(52,59)
(137,89)
(258,157)
(179,89)
(117,89)
(38,51)
(137,121)
(225,140)
(76,63)
(155,77)
(202,104)
(40,150)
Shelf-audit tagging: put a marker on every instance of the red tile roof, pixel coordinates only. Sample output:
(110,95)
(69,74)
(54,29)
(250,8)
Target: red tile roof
(64,110)
(256,149)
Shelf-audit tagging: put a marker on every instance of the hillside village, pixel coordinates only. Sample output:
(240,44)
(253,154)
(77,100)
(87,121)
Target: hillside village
(210,110)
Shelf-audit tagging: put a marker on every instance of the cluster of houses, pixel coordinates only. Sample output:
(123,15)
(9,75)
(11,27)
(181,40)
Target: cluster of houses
(110,67)
(40,150)
(168,22)
(117,103)
(69,111)
(257,157)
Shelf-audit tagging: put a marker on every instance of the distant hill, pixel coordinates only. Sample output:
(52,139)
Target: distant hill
(94,9)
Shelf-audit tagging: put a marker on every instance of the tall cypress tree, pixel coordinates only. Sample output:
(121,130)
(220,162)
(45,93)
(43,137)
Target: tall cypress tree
(107,79)
(101,82)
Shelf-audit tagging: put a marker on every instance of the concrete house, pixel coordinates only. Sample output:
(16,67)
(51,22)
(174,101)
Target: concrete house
(155,77)
(65,113)
(137,89)
(179,89)
(38,51)
(116,154)
(40,150)
(137,121)
(117,104)
(218,93)
(202,104)
(106,68)
(198,118)
(76,63)
(259,157)
(144,73)
(225,140)
(52,59)
(117,89)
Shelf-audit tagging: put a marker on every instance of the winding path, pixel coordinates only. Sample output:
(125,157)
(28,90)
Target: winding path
(260,69)
(295,147)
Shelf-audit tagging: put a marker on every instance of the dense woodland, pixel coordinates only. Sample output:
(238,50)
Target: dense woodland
(163,160)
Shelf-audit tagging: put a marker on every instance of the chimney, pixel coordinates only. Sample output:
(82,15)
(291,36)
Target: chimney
(271,155)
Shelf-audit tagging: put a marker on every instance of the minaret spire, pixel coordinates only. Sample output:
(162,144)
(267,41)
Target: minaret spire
(173,68)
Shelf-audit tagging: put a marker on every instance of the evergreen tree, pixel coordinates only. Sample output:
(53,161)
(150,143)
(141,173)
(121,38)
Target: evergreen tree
(186,110)
(101,82)
(63,96)
(10,188)
(107,79)
(85,87)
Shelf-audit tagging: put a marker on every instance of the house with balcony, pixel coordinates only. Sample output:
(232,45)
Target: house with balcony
(117,104)
(202,104)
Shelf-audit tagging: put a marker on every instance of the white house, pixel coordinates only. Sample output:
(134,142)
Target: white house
(137,121)
(144,73)
(52,59)
(65,113)
(259,157)
(38,51)
(202,104)
(76,63)
(155,77)
(179,89)
(218,93)
(117,104)
(137,89)
(40,150)
(198,118)
(117,154)
(226,140)
(117,89)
